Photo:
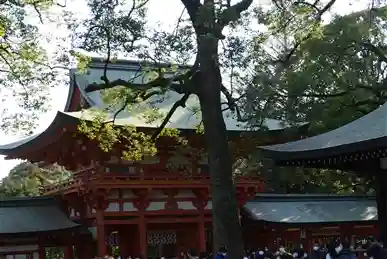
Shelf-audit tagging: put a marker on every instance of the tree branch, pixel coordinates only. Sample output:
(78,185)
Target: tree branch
(351,187)
(230,99)
(192,7)
(318,18)
(178,83)
(313,6)
(233,13)
(376,50)
(231,102)
(179,103)
(160,81)
(126,103)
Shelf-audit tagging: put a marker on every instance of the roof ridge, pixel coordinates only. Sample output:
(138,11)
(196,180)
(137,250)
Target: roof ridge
(311,197)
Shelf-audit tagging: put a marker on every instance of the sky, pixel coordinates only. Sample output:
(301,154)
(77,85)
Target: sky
(163,13)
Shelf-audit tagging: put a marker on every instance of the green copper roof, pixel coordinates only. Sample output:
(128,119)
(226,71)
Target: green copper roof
(183,118)
(302,209)
(26,215)
(366,135)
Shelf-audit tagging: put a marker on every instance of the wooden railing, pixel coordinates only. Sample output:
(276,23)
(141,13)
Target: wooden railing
(184,178)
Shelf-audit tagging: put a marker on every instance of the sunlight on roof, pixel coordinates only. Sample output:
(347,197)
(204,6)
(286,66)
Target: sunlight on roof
(290,219)
(370,213)
(317,211)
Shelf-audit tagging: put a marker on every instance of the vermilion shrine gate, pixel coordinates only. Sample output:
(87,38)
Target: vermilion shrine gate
(152,209)
(143,207)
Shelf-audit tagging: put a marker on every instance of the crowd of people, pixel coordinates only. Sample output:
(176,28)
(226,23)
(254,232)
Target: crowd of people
(335,250)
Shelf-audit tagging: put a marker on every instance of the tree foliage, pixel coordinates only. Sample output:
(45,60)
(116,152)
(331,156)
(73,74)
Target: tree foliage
(26,179)
(333,79)
(27,70)
(306,180)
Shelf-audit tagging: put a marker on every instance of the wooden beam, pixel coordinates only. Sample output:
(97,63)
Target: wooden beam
(176,220)
(121,221)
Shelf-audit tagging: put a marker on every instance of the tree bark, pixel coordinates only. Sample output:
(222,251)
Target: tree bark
(381,201)
(226,226)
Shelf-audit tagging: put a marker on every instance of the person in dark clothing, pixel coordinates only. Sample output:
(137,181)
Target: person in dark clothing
(343,251)
(222,253)
(283,254)
(333,249)
(299,253)
(379,240)
(268,254)
(376,251)
(259,254)
(316,252)
(192,254)
(203,255)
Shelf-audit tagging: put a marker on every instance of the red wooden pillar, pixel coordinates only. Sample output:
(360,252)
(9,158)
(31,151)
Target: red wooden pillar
(141,204)
(200,203)
(344,233)
(202,232)
(306,238)
(68,252)
(143,240)
(101,237)
(42,252)
(87,250)
(125,250)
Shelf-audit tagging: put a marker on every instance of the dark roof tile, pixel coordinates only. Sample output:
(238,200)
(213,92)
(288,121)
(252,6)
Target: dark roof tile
(26,215)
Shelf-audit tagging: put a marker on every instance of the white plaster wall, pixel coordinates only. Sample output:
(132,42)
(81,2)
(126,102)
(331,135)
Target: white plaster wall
(209,206)
(72,212)
(128,206)
(156,205)
(113,207)
(186,205)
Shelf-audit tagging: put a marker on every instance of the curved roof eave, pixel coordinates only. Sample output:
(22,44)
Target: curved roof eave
(179,120)
(184,119)
(22,145)
(62,118)
(364,134)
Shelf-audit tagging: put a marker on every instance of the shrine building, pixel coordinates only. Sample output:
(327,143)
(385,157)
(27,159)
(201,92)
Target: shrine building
(149,207)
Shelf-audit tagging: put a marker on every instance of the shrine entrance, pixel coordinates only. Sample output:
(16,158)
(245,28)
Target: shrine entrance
(170,240)
(162,243)
(162,239)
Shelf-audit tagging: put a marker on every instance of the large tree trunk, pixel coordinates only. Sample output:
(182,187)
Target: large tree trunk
(381,201)
(226,225)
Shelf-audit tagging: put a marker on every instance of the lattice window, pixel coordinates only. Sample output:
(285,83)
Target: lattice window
(163,238)
(113,239)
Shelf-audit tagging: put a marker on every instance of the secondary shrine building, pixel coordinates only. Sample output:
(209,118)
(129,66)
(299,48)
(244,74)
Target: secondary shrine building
(149,207)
